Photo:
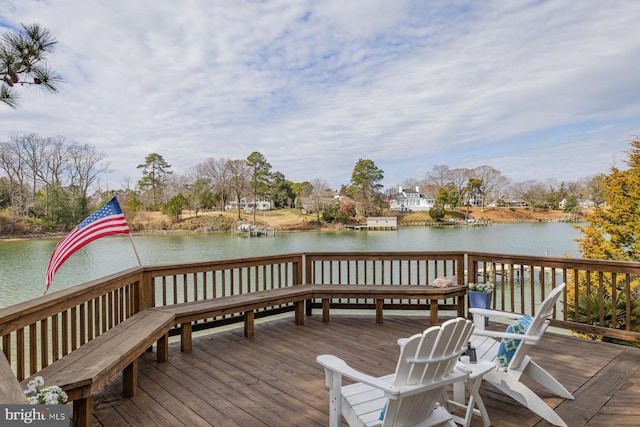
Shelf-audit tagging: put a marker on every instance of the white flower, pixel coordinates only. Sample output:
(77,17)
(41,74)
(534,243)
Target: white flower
(37,393)
(481,287)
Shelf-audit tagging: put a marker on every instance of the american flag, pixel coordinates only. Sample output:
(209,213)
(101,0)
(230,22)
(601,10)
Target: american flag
(107,220)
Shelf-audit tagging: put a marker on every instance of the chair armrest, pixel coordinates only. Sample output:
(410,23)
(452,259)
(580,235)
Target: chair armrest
(480,314)
(333,364)
(530,339)
(337,365)
(494,313)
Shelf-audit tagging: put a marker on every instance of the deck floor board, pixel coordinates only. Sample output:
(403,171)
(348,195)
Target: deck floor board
(272,379)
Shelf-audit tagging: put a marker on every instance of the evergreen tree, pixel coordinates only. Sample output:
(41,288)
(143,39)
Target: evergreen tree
(280,189)
(366,177)
(612,234)
(155,171)
(22,62)
(614,226)
(260,178)
(175,206)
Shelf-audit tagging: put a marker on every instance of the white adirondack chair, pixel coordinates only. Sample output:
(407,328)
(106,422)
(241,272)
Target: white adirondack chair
(427,363)
(508,379)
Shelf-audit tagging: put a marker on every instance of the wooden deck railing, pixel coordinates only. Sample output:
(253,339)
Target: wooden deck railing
(38,332)
(601,298)
(383,268)
(174,284)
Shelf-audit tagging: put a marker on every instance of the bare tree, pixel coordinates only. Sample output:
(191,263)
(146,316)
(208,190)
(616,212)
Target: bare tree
(86,165)
(460,182)
(48,177)
(32,150)
(217,171)
(491,180)
(128,184)
(594,190)
(317,195)
(12,163)
(239,176)
(410,183)
(45,164)
(532,192)
(440,177)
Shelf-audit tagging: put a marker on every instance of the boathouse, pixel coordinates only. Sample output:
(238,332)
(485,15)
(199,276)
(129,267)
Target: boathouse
(382,223)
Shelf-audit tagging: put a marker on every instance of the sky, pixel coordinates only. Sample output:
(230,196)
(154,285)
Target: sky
(536,89)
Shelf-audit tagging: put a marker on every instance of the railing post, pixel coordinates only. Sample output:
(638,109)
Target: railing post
(306,261)
(144,297)
(460,269)
(299,279)
(307,269)
(472,269)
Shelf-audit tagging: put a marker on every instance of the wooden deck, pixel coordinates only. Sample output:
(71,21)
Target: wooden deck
(272,379)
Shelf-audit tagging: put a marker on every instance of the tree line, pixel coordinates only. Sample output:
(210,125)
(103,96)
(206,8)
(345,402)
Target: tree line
(215,182)
(49,178)
(58,181)
(483,185)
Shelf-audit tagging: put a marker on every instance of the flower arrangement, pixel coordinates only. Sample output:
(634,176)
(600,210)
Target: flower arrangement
(38,394)
(482,287)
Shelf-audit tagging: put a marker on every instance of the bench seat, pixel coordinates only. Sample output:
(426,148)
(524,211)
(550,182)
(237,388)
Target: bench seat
(187,312)
(86,369)
(382,292)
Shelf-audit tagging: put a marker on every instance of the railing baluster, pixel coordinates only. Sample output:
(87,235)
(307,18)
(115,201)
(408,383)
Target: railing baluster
(33,349)
(614,298)
(44,342)
(600,298)
(627,294)
(20,356)
(55,338)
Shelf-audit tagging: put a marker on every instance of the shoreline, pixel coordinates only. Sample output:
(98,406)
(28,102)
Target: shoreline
(291,221)
(328,229)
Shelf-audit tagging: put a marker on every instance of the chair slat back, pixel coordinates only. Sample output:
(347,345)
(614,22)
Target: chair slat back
(426,359)
(538,324)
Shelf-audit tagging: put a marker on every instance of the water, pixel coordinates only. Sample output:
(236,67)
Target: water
(23,262)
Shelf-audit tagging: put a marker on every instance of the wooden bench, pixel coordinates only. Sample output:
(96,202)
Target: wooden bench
(85,370)
(11,392)
(382,292)
(185,313)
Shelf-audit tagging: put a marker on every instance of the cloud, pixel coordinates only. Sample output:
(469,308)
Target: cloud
(535,89)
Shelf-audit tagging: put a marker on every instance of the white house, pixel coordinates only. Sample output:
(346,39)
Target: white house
(583,203)
(412,200)
(262,204)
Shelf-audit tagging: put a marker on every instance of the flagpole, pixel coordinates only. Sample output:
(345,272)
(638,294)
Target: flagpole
(135,250)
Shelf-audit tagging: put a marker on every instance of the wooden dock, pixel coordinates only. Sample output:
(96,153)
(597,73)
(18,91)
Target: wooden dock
(272,379)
